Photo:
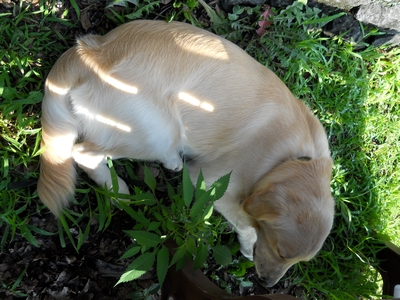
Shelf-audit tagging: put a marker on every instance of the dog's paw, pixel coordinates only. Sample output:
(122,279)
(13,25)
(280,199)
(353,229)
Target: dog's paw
(247,252)
(247,238)
(174,163)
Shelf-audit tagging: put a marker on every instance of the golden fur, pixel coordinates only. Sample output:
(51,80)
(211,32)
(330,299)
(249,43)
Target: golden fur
(154,91)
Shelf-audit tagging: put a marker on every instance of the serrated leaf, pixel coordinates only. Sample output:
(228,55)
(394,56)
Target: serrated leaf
(198,206)
(208,212)
(219,187)
(191,246)
(153,226)
(179,255)
(222,255)
(200,186)
(187,187)
(216,191)
(149,179)
(138,267)
(201,255)
(131,252)
(145,238)
(171,191)
(162,264)
(136,215)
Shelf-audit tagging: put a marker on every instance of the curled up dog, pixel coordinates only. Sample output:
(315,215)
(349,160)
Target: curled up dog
(155,91)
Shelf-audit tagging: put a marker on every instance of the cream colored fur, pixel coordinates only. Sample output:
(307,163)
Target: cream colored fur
(153,91)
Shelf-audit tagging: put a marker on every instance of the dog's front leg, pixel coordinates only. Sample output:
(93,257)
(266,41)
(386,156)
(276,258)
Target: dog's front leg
(241,221)
(173,161)
(247,238)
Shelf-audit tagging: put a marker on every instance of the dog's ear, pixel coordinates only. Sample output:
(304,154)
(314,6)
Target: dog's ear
(260,207)
(293,181)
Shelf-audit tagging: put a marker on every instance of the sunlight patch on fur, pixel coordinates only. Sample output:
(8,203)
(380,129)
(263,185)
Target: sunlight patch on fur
(118,84)
(112,123)
(90,161)
(106,77)
(101,119)
(56,89)
(61,146)
(196,102)
(202,45)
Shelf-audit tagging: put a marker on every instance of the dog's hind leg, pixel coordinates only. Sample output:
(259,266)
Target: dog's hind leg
(93,161)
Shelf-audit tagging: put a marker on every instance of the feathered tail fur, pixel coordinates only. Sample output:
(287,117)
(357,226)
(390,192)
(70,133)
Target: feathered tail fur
(59,132)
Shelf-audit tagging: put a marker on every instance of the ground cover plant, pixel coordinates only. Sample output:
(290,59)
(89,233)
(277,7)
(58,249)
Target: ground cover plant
(355,94)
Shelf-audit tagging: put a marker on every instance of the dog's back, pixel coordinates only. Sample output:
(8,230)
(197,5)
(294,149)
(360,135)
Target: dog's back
(149,74)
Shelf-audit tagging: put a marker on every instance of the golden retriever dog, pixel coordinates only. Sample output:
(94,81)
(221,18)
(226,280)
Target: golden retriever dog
(152,90)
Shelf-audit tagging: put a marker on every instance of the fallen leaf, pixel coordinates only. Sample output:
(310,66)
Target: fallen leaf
(263,23)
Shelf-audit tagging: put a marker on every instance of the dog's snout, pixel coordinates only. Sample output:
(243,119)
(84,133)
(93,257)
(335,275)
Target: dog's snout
(268,281)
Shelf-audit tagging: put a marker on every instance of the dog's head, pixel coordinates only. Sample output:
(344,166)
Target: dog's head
(293,211)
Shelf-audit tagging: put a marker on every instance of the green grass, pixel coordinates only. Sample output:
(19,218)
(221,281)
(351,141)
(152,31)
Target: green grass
(355,94)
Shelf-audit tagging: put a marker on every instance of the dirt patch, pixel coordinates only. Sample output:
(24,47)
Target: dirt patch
(54,272)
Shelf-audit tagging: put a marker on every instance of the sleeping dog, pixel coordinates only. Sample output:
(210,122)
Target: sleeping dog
(155,91)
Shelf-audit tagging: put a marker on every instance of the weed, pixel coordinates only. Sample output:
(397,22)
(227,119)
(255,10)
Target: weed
(183,217)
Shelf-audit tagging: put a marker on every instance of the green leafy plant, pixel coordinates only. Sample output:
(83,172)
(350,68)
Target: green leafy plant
(134,10)
(237,26)
(184,217)
(184,9)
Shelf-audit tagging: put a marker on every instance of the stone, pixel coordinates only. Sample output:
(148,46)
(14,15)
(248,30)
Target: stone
(380,15)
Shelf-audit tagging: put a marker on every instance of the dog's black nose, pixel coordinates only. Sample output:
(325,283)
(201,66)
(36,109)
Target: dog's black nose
(267,281)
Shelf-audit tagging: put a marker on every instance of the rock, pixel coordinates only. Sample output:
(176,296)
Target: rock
(387,18)
(380,15)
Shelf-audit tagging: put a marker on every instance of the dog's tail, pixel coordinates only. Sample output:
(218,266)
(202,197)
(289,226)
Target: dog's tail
(59,132)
